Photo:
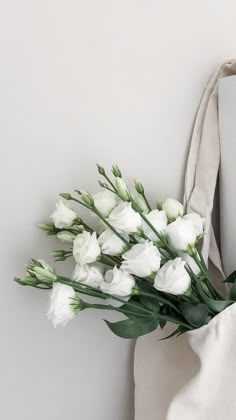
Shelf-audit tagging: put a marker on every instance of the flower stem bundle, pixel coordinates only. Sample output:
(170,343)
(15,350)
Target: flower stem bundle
(142,262)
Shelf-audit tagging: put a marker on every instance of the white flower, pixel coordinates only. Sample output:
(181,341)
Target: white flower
(191,263)
(66,236)
(173,278)
(91,275)
(122,188)
(61,310)
(197,221)
(141,203)
(173,208)
(118,282)
(181,234)
(158,220)
(142,259)
(86,248)
(63,216)
(124,218)
(111,244)
(105,201)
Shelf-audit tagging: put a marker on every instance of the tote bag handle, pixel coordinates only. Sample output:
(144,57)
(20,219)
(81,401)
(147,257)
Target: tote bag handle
(203,165)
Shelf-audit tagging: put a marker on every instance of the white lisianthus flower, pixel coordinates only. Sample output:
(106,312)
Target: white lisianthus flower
(125,219)
(118,283)
(141,203)
(142,260)
(86,248)
(89,274)
(181,234)
(197,221)
(158,220)
(173,278)
(122,188)
(111,244)
(61,309)
(173,208)
(191,263)
(66,236)
(105,201)
(63,216)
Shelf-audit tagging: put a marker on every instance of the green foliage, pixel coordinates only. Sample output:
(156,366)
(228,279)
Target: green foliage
(195,313)
(131,328)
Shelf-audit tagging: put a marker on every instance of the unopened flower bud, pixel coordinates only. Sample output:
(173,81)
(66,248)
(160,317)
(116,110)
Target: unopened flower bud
(87,198)
(138,186)
(122,189)
(101,170)
(116,171)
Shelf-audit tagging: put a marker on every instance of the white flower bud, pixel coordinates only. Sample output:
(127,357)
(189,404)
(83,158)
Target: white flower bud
(61,307)
(63,216)
(125,219)
(173,208)
(86,248)
(142,259)
(105,201)
(181,234)
(118,283)
(173,278)
(158,220)
(111,244)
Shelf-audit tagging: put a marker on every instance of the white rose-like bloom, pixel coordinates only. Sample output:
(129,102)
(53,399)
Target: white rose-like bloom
(197,221)
(111,244)
(142,259)
(181,234)
(125,219)
(63,216)
(61,310)
(192,264)
(173,278)
(159,221)
(118,283)
(173,208)
(86,248)
(105,201)
(91,275)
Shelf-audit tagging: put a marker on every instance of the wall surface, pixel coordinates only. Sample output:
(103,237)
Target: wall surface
(84,82)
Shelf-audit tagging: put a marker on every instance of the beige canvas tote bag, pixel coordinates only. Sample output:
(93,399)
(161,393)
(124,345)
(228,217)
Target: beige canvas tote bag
(184,378)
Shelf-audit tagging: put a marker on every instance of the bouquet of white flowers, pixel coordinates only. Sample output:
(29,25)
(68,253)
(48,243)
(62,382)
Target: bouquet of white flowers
(147,261)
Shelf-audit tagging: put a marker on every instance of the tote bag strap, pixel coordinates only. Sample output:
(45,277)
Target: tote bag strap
(203,164)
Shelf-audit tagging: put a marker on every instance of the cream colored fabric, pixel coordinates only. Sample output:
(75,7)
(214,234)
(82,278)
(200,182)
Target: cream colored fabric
(161,368)
(203,162)
(210,395)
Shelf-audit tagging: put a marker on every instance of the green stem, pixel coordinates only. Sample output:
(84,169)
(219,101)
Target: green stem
(205,272)
(160,299)
(97,212)
(146,201)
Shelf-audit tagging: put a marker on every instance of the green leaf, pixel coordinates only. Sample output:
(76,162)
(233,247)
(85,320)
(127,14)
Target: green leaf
(195,314)
(130,328)
(179,330)
(231,278)
(215,305)
(232,293)
(150,303)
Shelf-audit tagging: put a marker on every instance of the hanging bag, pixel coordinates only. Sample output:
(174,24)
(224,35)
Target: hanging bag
(188,377)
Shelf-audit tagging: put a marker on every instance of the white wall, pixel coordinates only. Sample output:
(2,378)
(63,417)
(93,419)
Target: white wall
(84,82)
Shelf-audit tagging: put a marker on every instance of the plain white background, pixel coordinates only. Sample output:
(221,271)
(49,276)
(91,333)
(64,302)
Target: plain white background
(84,82)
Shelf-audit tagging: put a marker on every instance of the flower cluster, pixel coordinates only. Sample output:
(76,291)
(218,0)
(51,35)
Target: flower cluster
(146,259)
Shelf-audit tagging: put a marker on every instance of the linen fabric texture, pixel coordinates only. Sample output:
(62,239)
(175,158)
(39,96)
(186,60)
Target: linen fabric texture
(192,376)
